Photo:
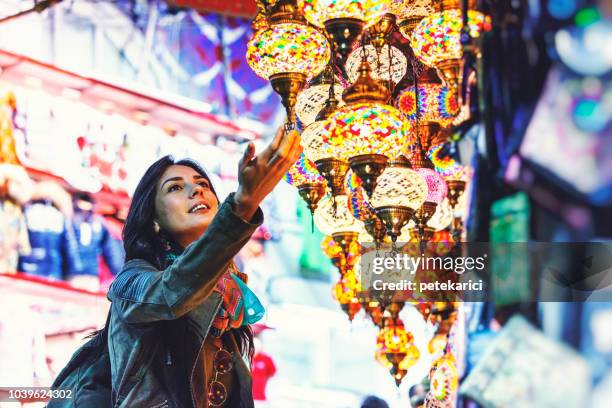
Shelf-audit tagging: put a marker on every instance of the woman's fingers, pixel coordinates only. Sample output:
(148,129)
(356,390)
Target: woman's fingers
(282,152)
(278,138)
(269,151)
(289,158)
(246,156)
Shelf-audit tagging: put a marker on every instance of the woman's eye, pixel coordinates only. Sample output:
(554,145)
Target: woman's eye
(204,184)
(173,188)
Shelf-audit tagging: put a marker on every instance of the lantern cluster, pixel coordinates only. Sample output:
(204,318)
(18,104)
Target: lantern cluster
(377,166)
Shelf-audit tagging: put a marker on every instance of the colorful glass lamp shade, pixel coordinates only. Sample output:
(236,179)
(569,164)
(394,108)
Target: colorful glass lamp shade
(345,292)
(343,258)
(443,380)
(333,216)
(311,186)
(315,147)
(436,41)
(367,134)
(395,342)
(436,192)
(312,100)
(436,104)
(400,191)
(367,128)
(330,248)
(312,142)
(379,60)
(288,53)
(343,19)
(359,206)
(412,357)
(445,164)
(436,185)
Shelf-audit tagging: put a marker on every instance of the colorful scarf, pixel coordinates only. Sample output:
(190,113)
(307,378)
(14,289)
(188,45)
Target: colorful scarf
(240,306)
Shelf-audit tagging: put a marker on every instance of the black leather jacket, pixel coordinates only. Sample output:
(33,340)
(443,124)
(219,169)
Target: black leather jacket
(159,320)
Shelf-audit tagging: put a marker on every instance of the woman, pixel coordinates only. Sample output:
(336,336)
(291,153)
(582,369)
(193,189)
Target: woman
(178,328)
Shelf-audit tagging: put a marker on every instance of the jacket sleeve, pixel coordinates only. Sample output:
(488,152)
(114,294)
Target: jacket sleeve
(143,294)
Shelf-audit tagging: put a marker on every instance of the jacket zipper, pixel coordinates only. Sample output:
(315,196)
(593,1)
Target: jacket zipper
(199,351)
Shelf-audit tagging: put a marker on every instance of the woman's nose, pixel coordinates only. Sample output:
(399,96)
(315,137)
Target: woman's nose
(196,190)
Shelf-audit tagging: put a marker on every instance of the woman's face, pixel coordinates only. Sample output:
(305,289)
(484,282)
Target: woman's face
(184,204)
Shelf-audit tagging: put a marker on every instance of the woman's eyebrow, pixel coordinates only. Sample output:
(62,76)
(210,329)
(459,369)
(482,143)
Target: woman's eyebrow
(170,179)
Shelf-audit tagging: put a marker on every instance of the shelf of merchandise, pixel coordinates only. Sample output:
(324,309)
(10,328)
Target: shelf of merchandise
(171,112)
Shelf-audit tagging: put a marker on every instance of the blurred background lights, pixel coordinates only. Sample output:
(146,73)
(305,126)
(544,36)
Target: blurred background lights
(586,48)
(562,9)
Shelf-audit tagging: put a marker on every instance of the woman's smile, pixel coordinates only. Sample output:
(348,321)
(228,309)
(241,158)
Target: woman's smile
(200,207)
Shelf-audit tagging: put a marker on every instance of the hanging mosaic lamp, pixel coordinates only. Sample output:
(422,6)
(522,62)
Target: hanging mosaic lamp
(313,99)
(344,20)
(379,61)
(287,52)
(313,140)
(443,379)
(456,177)
(332,216)
(436,40)
(399,193)
(366,132)
(380,355)
(311,186)
(429,107)
(342,260)
(436,193)
(349,243)
(396,343)
(345,292)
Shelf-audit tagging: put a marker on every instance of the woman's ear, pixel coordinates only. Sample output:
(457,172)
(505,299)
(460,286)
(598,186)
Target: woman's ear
(156,226)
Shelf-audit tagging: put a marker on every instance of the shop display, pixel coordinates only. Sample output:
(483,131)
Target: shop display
(52,238)
(16,189)
(95,245)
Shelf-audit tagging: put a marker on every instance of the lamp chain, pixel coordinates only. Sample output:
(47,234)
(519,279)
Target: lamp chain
(415,75)
(391,85)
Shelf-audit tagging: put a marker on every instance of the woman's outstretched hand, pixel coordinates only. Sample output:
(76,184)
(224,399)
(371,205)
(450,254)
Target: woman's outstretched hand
(259,174)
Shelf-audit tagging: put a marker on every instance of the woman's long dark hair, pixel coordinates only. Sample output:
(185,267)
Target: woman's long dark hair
(141,241)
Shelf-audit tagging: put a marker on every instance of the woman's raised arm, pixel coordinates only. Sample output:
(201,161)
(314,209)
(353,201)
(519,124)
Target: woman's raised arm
(144,294)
